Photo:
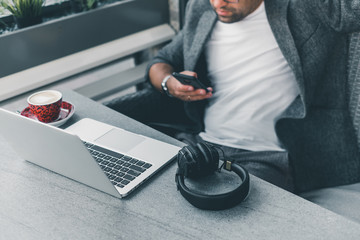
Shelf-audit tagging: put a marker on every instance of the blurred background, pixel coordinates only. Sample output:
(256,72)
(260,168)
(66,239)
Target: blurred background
(82,43)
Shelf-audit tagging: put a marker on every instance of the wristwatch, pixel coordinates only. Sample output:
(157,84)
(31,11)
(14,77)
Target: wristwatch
(164,87)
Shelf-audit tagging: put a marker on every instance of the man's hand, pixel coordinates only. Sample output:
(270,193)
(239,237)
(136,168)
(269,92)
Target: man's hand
(187,92)
(159,71)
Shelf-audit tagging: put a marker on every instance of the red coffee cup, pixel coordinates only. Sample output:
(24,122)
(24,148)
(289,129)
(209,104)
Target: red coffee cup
(45,105)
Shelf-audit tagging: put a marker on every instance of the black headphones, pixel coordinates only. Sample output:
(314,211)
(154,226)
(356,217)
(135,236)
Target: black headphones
(200,161)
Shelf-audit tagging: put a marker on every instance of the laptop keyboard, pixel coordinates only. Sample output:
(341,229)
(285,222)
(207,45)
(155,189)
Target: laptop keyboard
(119,168)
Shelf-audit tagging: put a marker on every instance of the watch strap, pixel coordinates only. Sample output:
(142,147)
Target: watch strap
(164,87)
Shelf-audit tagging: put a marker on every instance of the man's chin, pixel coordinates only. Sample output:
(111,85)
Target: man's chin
(231,19)
(225,19)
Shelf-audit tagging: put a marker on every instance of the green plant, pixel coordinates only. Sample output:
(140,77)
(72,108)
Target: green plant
(23,8)
(1,10)
(1,13)
(81,5)
(90,4)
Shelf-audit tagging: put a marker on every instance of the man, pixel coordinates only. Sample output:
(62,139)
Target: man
(276,75)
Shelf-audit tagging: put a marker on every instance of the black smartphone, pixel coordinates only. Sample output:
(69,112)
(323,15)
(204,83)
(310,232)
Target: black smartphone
(189,80)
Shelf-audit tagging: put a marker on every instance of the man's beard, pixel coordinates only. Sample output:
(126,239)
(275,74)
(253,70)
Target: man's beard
(235,17)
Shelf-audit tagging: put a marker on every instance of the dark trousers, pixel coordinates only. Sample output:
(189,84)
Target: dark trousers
(271,166)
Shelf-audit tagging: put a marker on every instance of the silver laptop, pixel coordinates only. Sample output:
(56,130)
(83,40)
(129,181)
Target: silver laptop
(99,155)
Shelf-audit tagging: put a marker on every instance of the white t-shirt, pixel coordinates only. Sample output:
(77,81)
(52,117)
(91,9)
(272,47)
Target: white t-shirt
(253,84)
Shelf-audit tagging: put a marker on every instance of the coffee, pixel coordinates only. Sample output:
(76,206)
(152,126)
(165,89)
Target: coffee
(45,105)
(44,98)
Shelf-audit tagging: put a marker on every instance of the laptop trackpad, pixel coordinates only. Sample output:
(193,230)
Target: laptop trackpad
(120,140)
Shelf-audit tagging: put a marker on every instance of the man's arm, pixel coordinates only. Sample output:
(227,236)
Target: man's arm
(170,59)
(158,72)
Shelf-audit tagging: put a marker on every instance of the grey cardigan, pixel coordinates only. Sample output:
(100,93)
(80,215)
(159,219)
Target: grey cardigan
(316,129)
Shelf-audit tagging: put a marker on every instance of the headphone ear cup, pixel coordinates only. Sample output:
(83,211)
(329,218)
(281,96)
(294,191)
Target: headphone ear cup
(198,161)
(210,157)
(188,161)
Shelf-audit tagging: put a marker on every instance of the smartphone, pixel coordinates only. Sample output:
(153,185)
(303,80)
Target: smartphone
(189,80)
